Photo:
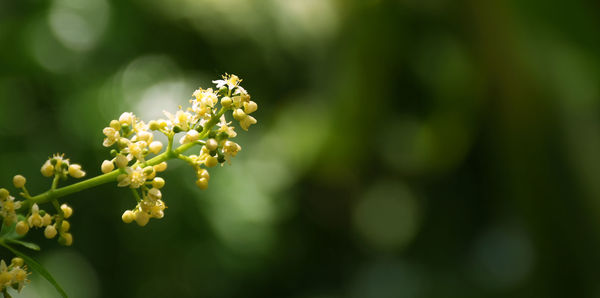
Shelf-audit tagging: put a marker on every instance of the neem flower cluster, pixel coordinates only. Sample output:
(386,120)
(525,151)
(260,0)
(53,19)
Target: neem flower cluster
(136,160)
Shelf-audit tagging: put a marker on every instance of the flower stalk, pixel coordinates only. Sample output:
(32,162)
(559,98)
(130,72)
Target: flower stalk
(132,165)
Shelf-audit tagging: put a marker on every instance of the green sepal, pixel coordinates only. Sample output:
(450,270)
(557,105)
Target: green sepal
(222,136)
(223,91)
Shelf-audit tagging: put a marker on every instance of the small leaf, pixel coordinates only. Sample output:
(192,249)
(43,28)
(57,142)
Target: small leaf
(37,267)
(26,244)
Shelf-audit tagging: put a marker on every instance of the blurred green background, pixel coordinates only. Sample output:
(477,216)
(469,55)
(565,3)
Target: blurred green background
(409,148)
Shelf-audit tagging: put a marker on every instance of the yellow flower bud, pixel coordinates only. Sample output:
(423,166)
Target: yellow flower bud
(145,136)
(203,173)
(121,161)
(22,228)
(50,232)
(5,277)
(126,118)
(128,216)
(46,219)
(66,239)
(250,107)
(162,123)
(158,182)
(19,181)
(211,161)
(226,102)
(154,194)
(239,115)
(35,220)
(67,211)
(17,262)
(141,218)
(148,170)
(65,226)
(47,169)
(247,121)
(153,125)
(114,124)
(211,144)
(160,167)
(3,194)
(202,183)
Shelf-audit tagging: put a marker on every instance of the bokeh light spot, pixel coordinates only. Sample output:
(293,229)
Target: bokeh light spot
(387,216)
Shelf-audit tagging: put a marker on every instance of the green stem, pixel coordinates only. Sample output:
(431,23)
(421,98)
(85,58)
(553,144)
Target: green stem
(55,182)
(136,195)
(55,193)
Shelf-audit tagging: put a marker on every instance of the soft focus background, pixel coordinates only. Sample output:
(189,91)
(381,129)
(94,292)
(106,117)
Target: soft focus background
(404,148)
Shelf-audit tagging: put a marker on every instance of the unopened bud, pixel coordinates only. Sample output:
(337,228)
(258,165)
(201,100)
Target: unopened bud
(202,183)
(128,216)
(211,144)
(121,161)
(107,166)
(19,181)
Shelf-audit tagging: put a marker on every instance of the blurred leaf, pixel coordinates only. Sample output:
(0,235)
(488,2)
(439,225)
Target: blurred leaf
(29,245)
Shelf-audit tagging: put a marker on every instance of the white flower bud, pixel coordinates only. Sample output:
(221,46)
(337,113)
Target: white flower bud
(155,147)
(107,166)
(19,181)
(121,161)
(75,171)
